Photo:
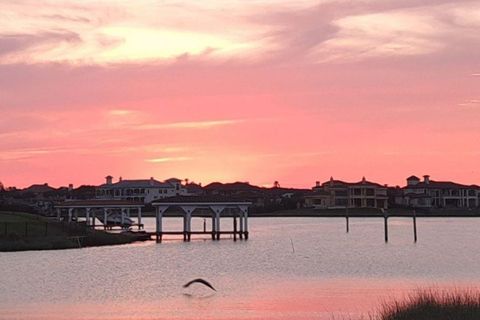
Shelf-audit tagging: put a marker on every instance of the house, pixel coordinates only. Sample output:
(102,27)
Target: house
(341,194)
(438,194)
(144,190)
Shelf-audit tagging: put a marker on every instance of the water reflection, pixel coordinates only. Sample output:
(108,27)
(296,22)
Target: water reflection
(330,274)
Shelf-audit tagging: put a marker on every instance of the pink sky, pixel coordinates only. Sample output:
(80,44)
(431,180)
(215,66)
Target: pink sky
(252,91)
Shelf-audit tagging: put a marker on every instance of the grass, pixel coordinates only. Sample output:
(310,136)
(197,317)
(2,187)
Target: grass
(23,231)
(434,305)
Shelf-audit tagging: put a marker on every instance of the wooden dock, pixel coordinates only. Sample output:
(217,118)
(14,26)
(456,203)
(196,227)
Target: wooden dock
(188,207)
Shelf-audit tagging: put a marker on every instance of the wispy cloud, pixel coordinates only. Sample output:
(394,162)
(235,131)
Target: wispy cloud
(120,112)
(190,124)
(167,159)
(472,103)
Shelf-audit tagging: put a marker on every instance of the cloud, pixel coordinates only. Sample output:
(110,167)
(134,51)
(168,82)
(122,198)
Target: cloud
(11,43)
(280,31)
(167,159)
(393,33)
(189,125)
(470,104)
(121,112)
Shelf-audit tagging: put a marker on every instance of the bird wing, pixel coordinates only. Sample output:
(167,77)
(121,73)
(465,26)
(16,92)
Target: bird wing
(204,282)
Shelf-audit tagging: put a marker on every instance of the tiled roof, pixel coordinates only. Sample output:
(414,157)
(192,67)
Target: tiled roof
(141,183)
(360,183)
(39,188)
(231,186)
(441,185)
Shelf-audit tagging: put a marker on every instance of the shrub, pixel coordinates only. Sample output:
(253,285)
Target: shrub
(434,305)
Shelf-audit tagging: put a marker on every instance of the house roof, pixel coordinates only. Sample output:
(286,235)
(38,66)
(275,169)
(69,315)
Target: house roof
(360,183)
(140,183)
(413,178)
(231,186)
(39,188)
(441,185)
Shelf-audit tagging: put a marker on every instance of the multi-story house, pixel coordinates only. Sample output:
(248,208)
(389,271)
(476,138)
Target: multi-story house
(438,194)
(341,194)
(146,190)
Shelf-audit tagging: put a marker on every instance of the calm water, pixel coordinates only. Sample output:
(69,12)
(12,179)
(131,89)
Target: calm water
(302,268)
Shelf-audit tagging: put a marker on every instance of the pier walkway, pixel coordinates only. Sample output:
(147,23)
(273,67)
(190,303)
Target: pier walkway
(117,213)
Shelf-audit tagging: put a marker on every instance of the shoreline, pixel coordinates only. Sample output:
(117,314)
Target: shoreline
(24,232)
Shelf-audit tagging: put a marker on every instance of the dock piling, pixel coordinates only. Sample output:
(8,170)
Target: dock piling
(234,228)
(347,220)
(385,221)
(414,226)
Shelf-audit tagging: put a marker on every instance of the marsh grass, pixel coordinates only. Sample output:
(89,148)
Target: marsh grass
(434,305)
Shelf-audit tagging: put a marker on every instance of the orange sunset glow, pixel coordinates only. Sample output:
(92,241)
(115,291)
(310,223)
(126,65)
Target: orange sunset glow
(258,91)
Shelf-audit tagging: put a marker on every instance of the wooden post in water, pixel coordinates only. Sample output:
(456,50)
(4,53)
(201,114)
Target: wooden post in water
(139,217)
(26,229)
(184,226)
(105,217)
(213,226)
(240,220)
(5,228)
(46,229)
(347,219)
(414,226)
(157,225)
(234,227)
(385,221)
(189,225)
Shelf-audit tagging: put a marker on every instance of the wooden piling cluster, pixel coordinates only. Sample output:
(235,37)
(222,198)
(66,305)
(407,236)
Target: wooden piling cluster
(385,223)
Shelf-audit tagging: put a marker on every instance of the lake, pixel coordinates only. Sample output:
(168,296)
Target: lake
(301,268)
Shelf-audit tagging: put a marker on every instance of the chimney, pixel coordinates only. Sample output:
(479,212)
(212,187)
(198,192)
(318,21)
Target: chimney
(152,181)
(70,187)
(108,179)
(364,180)
(120,179)
(426,179)
(317,184)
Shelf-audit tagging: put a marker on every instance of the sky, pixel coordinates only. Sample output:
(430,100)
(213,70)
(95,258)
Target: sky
(256,91)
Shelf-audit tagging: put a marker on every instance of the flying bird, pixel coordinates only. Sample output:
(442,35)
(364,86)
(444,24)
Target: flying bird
(204,282)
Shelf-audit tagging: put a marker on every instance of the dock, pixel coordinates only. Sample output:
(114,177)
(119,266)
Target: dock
(116,214)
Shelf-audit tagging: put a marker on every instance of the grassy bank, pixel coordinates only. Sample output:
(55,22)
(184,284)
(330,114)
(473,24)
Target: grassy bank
(23,231)
(432,305)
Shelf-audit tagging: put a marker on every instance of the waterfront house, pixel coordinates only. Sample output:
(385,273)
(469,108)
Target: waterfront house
(438,194)
(143,190)
(341,194)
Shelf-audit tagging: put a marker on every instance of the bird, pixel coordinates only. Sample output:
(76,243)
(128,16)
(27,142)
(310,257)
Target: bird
(204,282)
